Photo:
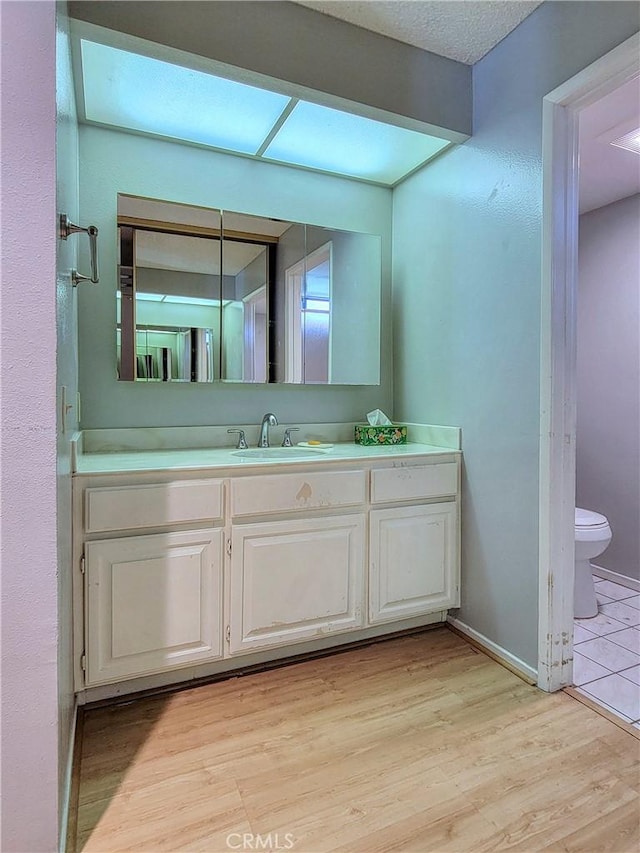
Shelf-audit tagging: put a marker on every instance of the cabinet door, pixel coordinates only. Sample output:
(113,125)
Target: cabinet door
(413,561)
(295,580)
(153,603)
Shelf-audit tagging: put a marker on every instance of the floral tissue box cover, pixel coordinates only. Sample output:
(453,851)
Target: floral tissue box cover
(371,435)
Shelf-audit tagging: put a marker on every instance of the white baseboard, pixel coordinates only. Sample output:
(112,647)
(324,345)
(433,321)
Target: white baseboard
(622,580)
(528,673)
(68,775)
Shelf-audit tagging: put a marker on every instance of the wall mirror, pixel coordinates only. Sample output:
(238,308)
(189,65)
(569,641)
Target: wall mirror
(208,295)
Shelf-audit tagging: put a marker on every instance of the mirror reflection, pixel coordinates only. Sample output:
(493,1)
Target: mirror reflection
(207,295)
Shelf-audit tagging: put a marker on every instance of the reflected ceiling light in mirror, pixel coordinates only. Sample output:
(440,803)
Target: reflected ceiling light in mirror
(147,297)
(192,300)
(136,92)
(330,140)
(177,300)
(630,141)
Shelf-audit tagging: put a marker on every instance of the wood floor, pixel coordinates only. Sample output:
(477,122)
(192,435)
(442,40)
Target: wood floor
(416,745)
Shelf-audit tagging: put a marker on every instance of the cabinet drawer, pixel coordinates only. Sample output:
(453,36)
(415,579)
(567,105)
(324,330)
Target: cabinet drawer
(298,492)
(133,507)
(421,481)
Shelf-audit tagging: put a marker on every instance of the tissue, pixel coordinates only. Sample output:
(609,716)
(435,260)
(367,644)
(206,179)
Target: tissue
(378,418)
(380,430)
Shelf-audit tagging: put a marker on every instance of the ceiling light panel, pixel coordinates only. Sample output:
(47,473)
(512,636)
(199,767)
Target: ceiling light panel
(136,92)
(630,141)
(330,140)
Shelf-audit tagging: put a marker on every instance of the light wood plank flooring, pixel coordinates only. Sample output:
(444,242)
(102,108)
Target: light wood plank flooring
(417,745)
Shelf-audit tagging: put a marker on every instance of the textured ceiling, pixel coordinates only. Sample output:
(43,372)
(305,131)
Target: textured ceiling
(464,30)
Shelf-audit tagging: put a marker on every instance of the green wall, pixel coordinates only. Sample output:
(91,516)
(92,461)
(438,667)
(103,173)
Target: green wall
(113,162)
(467,305)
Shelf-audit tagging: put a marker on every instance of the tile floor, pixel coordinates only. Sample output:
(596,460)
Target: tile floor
(606,651)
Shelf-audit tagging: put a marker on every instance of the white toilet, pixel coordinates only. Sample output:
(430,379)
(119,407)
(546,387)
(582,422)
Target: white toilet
(593,535)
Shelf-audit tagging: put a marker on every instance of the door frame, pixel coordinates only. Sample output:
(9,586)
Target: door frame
(295,279)
(249,359)
(560,164)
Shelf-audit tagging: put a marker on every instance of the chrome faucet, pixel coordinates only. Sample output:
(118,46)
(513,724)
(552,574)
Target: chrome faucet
(268,420)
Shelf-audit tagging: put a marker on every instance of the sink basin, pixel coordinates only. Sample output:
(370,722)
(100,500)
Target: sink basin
(267,453)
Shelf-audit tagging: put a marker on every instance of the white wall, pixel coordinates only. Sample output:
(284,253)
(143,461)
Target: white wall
(467,282)
(608,422)
(113,162)
(28,550)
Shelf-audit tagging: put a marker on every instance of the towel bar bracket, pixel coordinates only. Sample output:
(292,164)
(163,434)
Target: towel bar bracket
(65,229)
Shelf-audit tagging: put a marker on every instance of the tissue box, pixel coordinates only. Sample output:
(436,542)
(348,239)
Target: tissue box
(375,435)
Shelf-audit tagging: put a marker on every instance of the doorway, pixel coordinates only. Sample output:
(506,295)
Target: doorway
(561,111)
(308,286)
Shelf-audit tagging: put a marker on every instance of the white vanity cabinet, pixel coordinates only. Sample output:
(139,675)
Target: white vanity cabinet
(295,580)
(299,571)
(187,573)
(413,561)
(413,556)
(151,603)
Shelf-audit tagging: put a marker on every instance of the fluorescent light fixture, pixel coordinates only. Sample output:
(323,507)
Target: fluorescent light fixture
(630,141)
(136,92)
(334,141)
(192,300)
(139,93)
(149,297)
(186,300)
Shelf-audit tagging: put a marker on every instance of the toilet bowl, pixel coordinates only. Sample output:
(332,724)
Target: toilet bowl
(593,535)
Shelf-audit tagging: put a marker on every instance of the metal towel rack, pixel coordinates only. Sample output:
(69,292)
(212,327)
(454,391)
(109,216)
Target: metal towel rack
(65,229)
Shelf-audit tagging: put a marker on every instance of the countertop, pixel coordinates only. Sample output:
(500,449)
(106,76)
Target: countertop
(190,459)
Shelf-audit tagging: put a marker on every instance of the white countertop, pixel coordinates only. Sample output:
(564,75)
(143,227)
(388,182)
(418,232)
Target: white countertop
(190,459)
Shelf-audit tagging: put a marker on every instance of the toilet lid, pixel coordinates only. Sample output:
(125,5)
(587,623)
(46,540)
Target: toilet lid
(587,518)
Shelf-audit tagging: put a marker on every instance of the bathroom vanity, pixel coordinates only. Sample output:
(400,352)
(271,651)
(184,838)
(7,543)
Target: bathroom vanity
(189,562)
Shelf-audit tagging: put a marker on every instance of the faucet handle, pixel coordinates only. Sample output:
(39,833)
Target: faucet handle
(286,441)
(242,441)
